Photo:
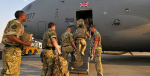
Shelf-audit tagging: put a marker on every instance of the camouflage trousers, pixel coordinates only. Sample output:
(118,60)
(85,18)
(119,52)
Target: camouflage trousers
(11,58)
(66,50)
(48,62)
(98,63)
(81,45)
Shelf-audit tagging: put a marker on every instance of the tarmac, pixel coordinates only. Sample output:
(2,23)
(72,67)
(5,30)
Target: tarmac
(113,65)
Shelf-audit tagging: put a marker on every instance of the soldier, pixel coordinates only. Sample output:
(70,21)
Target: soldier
(11,55)
(80,36)
(97,50)
(87,24)
(48,55)
(67,43)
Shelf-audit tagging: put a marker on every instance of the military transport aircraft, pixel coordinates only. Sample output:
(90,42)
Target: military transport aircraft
(124,25)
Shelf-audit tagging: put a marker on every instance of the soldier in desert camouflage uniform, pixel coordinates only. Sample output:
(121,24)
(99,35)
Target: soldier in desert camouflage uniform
(80,36)
(86,21)
(48,53)
(97,50)
(11,55)
(67,43)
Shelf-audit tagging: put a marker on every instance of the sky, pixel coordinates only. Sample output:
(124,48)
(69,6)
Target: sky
(7,11)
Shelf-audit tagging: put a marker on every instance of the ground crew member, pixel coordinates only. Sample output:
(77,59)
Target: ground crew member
(80,36)
(48,55)
(97,50)
(11,55)
(67,44)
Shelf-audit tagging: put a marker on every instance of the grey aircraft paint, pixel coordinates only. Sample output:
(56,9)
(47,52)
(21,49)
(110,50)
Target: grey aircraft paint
(124,25)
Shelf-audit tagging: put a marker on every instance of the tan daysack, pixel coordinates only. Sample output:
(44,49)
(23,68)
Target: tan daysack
(60,67)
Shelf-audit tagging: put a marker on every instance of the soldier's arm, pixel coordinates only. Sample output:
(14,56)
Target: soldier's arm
(73,44)
(14,32)
(61,44)
(88,35)
(56,45)
(74,37)
(15,39)
(96,39)
(95,44)
(72,41)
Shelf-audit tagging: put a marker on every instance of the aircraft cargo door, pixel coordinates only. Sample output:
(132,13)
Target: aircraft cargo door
(41,26)
(85,14)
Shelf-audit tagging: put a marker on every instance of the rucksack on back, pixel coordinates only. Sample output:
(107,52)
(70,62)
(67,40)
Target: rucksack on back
(80,33)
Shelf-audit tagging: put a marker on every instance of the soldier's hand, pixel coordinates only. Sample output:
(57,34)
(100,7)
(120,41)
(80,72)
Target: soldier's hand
(76,49)
(28,43)
(94,52)
(59,53)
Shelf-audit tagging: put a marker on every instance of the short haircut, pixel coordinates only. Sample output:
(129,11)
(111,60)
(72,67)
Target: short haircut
(51,24)
(68,27)
(18,14)
(81,25)
(93,26)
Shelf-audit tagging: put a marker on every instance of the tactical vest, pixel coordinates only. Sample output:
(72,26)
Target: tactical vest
(46,40)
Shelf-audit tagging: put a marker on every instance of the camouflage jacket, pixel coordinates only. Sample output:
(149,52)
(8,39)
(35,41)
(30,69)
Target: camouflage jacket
(66,39)
(97,35)
(14,27)
(47,38)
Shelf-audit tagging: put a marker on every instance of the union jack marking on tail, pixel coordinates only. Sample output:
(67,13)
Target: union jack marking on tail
(84,4)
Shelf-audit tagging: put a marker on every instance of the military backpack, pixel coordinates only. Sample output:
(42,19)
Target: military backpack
(80,33)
